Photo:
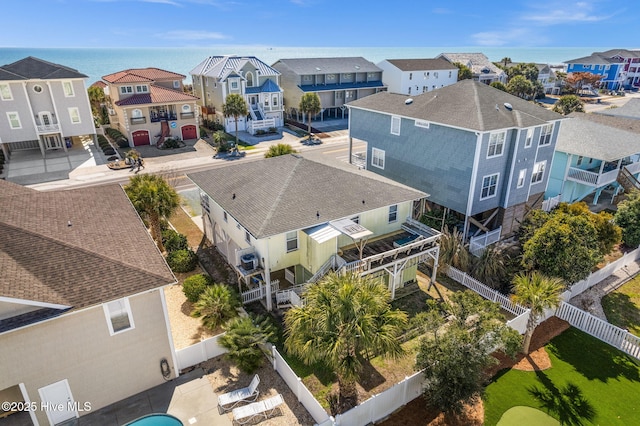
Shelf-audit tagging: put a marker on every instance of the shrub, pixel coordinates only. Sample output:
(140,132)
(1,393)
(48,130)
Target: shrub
(173,240)
(272,130)
(170,144)
(195,285)
(182,260)
(123,143)
(244,339)
(260,132)
(217,304)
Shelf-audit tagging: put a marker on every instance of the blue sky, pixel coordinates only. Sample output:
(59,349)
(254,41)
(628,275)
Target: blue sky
(406,23)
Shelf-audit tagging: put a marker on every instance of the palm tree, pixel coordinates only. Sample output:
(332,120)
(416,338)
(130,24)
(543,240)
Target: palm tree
(453,251)
(154,199)
(310,104)
(243,340)
(217,304)
(235,107)
(536,292)
(279,149)
(344,315)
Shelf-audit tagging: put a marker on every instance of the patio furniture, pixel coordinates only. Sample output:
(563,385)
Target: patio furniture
(260,410)
(229,400)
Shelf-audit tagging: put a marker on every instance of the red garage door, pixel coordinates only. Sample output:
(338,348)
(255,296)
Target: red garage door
(141,137)
(189,132)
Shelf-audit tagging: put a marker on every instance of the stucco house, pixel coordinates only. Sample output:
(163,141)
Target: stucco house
(413,76)
(149,105)
(481,67)
(596,155)
(259,84)
(43,106)
(481,153)
(83,319)
(335,80)
(292,219)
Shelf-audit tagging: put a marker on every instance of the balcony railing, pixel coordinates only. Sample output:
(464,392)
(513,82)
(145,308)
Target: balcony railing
(586,177)
(167,116)
(48,128)
(633,168)
(138,120)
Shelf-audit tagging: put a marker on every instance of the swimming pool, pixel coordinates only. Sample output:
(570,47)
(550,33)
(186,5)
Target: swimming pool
(156,420)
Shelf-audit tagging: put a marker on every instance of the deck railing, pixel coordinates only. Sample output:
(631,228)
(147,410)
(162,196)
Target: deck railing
(479,243)
(591,178)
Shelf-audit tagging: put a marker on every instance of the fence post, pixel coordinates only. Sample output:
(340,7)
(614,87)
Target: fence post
(300,384)
(275,361)
(404,391)
(372,408)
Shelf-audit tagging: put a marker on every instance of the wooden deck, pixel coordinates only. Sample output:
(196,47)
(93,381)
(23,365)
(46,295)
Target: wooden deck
(351,254)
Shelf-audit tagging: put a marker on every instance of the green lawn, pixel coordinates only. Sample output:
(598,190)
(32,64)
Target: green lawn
(622,307)
(589,383)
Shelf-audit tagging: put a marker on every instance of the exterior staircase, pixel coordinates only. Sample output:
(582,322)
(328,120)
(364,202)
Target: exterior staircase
(627,180)
(165,132)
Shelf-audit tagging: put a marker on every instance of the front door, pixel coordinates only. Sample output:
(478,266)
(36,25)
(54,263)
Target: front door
(52,142)
(58,402)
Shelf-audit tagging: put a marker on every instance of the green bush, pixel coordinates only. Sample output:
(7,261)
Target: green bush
(272,130)
(182,260)
(195,285)
(173,240)
(123,142)
(260,132)
(170,143)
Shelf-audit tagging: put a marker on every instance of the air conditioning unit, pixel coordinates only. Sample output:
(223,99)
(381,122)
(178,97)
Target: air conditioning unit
(249,262)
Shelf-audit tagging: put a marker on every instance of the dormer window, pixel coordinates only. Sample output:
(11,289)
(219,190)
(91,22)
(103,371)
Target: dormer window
(126,90)
(142,88)
(176,84)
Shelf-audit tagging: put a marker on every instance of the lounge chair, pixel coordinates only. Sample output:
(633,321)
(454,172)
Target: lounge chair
(229,400)
(261,410)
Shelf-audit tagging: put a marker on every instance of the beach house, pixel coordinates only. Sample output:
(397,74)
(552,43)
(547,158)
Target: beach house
(413,76)
(481,67)
(619,68)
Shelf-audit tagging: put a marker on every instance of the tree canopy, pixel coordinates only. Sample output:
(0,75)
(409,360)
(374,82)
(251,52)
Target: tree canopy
(527,70)
(568,104)
(628,218)
(454,355)
(343,316)
(577,80)
(521,87)
(464,72)
(499,85)
(154,199)
(244,338)
(236,107)
(310,104)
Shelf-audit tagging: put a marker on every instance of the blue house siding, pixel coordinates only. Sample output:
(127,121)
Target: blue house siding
(437,160)
(556,176)
(489,166)
(609,76)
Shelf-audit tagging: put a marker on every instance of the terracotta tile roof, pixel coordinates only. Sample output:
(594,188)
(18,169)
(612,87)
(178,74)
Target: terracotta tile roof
(157,95)
(101,84)
(75,248)
(134,75)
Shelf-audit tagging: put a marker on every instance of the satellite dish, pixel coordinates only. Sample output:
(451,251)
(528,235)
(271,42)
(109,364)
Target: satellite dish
(508,106)
(408,101)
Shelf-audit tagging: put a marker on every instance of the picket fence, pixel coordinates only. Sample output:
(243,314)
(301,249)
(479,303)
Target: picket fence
(199,352)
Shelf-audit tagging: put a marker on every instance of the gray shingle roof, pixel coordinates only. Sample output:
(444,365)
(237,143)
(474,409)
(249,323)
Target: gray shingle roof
(422,64)
(595,58)
(105,254)
(32,68)
(599,136)
(625,53)
(284,193)
(466,104)
(219,66)
(341,65)
(629,110)
(477,61)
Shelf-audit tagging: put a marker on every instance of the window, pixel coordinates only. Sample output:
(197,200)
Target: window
(521,177)
(393,213)
(234,84)
(435,74)
(186,108)
(176,84)
(274,101)
(247,236)
(5,92)
(331,76)
(426,74)
(377,158)
(579,161)
(410,76)
(395,125)
(74,114)
(545,134)
(527,142)
(68,89)
(136,113)
(142,88)
(225,217)
(409,90)
(422,123)
(126,89)
(118,315)
(292,241)
(489,185)
(449,74)
(496,144)
(538,172)
(14,120)
(306,78)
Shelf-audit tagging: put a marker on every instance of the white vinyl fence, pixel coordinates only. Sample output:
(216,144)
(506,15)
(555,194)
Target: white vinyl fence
(200,352)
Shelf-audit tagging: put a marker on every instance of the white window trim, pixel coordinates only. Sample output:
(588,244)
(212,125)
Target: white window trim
(522,178)
(247,236)
(9,114)
(65,85)
(71,115)
(125,90)
(534,173)
(176,84)
(495,192)
(398,120)
(529,139)
(288,239)
(8,86)
(107,314)
(389,214)
(498,136)
(379,155)
(544,135)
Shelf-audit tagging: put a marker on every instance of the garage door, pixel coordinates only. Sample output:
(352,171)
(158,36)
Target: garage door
(189,132)
(141,137)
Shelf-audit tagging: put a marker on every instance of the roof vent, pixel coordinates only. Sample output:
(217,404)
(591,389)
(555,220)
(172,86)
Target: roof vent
(357,67)
(408,101)
(317,68)
(69,223)
(508,106)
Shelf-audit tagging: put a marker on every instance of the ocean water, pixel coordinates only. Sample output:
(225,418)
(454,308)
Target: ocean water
(96,62)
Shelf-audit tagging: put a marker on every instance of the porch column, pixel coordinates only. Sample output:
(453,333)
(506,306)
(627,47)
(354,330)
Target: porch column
(434,271)
(41,144)
(267,277)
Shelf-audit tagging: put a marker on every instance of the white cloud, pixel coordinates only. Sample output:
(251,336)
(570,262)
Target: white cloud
(557,13)
(192,35)
(511,37)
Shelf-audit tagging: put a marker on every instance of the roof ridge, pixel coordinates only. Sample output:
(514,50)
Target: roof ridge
(283,189)
(83,250)
(476,99)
